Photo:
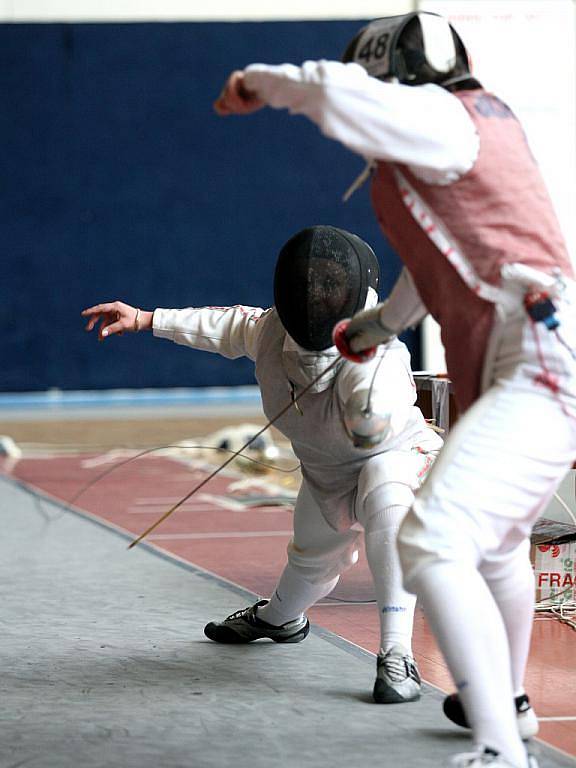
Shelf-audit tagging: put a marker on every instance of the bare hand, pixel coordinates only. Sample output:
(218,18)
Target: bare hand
(117,317)
(236,99)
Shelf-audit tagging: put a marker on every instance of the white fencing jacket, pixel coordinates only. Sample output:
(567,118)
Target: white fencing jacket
(331,465)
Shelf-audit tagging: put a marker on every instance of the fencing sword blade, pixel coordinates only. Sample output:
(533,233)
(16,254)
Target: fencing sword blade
(234,455)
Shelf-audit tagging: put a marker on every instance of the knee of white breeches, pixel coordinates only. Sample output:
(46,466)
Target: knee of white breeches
(320,566)
(509,573)
(385,506)
(418,548)
(422,544)
(410,554)
(416,563)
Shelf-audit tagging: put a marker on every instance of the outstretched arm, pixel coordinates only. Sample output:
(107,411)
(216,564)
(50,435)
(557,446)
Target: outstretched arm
(116,317)
(229,331)
(425,127)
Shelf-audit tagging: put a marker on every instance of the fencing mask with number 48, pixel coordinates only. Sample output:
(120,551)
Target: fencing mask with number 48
(412,49)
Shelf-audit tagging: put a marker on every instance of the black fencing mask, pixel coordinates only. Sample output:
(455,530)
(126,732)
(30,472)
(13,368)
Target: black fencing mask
(322,276)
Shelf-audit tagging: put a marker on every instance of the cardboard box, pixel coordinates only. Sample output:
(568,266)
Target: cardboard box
(555,572)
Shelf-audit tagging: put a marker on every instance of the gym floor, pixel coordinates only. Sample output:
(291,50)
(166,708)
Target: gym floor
(104,659)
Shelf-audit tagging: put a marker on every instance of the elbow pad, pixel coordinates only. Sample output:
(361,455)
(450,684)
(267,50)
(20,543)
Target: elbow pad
(366,425)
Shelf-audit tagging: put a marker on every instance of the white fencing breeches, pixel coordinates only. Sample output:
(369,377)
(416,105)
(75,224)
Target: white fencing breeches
(318,554)
(464,544)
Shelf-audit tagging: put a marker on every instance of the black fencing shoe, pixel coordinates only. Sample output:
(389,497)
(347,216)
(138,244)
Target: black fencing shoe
(245,626)
(527,720)
(397,677)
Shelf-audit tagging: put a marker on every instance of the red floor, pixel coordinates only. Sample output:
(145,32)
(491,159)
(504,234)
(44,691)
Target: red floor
(247,547)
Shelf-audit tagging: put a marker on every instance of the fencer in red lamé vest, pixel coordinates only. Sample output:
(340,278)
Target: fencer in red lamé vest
(498,213)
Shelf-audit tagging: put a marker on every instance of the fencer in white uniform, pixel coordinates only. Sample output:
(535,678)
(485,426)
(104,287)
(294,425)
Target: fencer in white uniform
(363,445)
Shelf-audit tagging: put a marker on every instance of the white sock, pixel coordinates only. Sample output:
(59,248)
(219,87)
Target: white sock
(512,586)
(292,597)
(395,605)
(470,631)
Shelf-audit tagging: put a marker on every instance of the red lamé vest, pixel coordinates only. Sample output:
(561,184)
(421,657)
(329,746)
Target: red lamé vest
(454,239)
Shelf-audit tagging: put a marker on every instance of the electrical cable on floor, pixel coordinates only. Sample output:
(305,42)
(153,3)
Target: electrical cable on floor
(565,507)
(146,452)
(293,403)
(564,613)
(344,601)
(558,610)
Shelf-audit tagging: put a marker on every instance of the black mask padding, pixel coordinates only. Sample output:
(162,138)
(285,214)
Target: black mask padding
(322,276)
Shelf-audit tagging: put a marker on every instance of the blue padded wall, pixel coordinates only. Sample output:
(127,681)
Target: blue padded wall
(119,181)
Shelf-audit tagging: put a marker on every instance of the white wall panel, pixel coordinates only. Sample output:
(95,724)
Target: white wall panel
(183,10)
(525,51)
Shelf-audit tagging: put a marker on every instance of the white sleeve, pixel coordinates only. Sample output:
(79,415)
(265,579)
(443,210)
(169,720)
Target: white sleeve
(377,325)
(230,331)
(403,308)
(425,127)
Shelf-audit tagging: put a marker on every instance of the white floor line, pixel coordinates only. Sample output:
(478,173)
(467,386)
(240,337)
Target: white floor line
(566,718)
(157,510)
(218,535)
(152,501)
(220,502)
(167,501)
